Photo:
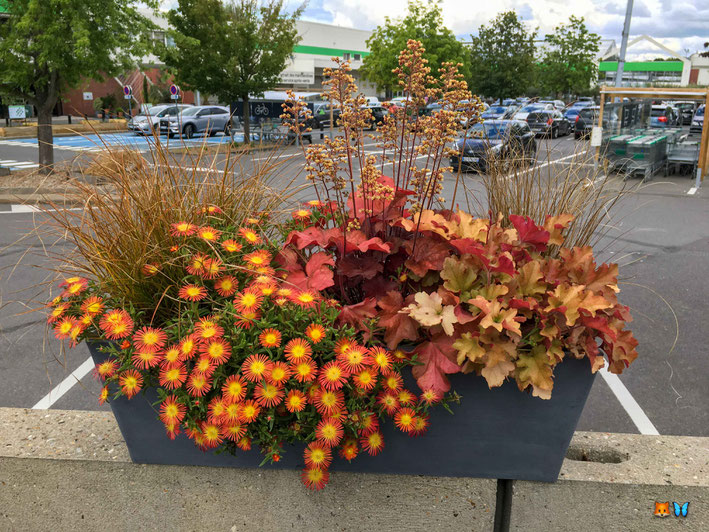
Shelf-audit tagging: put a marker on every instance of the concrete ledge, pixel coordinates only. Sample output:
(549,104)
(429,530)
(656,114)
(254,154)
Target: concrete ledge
(72,468)
(81,128)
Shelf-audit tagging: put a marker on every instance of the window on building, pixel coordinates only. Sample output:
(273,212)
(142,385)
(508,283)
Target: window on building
(357,57)
(346,56)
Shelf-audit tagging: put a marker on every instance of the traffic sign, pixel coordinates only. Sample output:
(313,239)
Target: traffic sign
(174,92)
(127,92)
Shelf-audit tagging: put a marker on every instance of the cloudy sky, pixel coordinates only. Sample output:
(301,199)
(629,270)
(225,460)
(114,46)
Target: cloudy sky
(682,25)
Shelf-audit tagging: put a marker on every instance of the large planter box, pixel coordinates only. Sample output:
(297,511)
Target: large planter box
(498,433)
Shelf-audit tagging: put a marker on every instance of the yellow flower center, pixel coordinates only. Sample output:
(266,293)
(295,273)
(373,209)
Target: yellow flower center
(172,374)
(317,456)
(150,338)
(216,350)
(333,373)
(258,367)
(278,374)
(269,392)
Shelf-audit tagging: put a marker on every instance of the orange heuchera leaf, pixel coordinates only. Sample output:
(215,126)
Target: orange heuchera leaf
(429,254)
(498,363)
(535,369)
(465,225)
(398,326)
(556,225)
(319,275)
(438,358)
(355,315)
(426,220)
(528,279)
(566,299)
(496,316)
(469,348)
(458,274)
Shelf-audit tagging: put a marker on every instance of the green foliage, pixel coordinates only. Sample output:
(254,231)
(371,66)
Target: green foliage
(569,59)
(502,57)
(424,23)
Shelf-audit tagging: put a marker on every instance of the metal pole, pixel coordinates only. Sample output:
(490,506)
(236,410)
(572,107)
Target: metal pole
(331,120)
(624,44)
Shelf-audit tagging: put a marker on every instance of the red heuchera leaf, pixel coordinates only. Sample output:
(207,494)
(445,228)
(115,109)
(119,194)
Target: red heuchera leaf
(439,358)
(398,326)
(382,209)
(309,236)
(288,259)
(429,254)
(529,232)
(366,267)
(355,315)
(319,275)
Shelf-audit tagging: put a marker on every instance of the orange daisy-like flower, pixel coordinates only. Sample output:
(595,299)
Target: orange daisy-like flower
(270,338)
(301,214)
(278,374)
(196,264)
(389,402)
(171,410)
(297,350)
(146,359)
(381,359)
(182,229)
(265,289)
(57,312)
(258,258)
(216,410)
(327,402)
(372,443)
(75,288)
(296,401)
(171,356)
(354,359)
(366,379)
(172,377)
(107,368)
(208,233)
(69,280)
(204,366)
(305,298)
(116,324)
(234,431)
(315,332)
(285,292)
(234,388)
(231,412)
(420,424)
(249,411)
(198,438)
(217,350)
(188,347)
(255,367)
(247,301)
(329,431)
(172,430)
(250,236)
(63,328)
(343,345)
(103,395)
(404,419)
(150,269)
(333,376)
(244,443)
(400,355)
(198,384)
(130,382)
(212,268)
(349,450)
(212,209)
(226,286)
(268,395)
(247,319)
(406,398)
(393,382)
(315,478)
(149,339)
(192,292)
(304,371)
(232,246)
(174,249)
(212,435)
(207,328)
(314,203)
(92,306)
(369,423)
(317,455)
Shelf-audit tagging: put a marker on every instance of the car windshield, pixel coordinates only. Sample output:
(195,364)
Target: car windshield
(490,131)
(496,109)
(700,111)
(657,112)
(530,108)
(191,111)
(155,111)
(588,113)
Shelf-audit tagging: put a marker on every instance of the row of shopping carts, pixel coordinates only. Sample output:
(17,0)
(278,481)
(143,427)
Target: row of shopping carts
(644,152)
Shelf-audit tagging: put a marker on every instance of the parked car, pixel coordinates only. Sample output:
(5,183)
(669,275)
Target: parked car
(378,114)
(558,104)
(697,121)
(531,108)
(372,100)
(507,139)
(208,119)
(586,119)
(321,114)
(146,123)
(495,112)
(571,113)
(585,99)
(686,111)
(663,116)
(551,123)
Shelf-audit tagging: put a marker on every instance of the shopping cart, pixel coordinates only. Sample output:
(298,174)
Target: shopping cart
(646,155)
(683,155)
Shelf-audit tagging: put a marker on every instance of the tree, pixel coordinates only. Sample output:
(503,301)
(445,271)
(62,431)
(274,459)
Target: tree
(50,46)
(423,22)
(502,57)
(231,51)
(568,63)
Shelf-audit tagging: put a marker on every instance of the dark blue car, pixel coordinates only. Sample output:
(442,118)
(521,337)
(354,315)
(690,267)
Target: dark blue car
(498,139)
(495,112)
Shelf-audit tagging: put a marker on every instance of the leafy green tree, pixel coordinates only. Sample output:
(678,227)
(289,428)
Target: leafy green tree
(231,50)
(568,64)
(423,22)
(50,46)
(503,57)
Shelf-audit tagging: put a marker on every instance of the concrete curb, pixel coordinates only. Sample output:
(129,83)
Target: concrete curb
(72,467)
(63,130)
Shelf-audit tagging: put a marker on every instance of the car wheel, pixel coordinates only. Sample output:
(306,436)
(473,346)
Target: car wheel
(227,131)
(554,132)
(577,136)
(188,131)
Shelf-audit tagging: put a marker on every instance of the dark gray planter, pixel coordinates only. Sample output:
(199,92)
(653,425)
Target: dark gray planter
(498,433)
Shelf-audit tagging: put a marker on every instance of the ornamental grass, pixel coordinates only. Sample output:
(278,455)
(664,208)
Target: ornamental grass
(257,329)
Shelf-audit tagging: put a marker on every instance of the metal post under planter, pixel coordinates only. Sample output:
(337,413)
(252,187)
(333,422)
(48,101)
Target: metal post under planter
(498,433)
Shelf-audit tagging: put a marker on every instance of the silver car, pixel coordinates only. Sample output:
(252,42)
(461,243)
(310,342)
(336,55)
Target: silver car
(208,119)
(145,123)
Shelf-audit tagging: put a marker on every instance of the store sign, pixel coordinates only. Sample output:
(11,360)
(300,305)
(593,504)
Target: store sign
(295,77)
(16,112)
(88,96)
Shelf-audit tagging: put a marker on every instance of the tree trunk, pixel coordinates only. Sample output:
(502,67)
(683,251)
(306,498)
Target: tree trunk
(45,138)
(247,120)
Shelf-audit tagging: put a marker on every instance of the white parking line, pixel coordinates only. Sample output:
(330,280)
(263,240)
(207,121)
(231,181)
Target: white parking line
(692,191)
(629,404)
(24,209)
(67,384)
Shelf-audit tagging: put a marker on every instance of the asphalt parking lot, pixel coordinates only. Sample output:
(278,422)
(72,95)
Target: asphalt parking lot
(660,237)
